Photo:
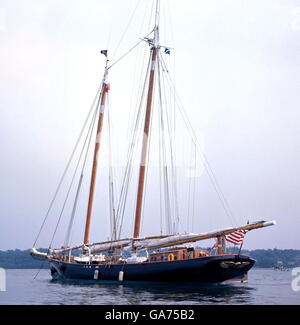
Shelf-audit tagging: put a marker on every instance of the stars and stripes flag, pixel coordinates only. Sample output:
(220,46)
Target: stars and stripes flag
(237,237)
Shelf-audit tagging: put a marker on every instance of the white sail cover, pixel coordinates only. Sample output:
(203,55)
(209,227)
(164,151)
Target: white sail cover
(188,238)
(167,241)
(163,242)
(110,246)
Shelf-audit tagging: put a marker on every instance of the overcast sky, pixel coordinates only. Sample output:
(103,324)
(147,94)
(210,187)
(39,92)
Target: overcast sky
(237,69)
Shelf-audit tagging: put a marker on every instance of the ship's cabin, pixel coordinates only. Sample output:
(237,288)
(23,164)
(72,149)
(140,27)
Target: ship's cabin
(173,254)
(177,253)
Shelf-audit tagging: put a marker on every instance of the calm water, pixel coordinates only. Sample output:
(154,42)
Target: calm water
(265,287)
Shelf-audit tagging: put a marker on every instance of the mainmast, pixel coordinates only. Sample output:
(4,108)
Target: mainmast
(104,91)
(154,51)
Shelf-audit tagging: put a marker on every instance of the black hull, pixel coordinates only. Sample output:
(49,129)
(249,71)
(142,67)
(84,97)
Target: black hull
(211,269)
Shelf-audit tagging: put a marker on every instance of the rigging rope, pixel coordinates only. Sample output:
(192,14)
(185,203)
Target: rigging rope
(126,28)
(164,161)
(128,169)
(111,180)
(148,157)
(74,174)
(205,161)
(172,158)
(67,167)
(125,54)
(191,196)
(130,50)
(89,137)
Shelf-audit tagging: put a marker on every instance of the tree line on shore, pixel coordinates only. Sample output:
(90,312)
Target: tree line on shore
(265,258)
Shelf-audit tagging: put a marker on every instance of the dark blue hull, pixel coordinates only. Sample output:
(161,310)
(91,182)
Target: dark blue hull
(204,270)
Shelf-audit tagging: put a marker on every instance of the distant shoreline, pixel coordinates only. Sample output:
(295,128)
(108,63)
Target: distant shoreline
(265,258)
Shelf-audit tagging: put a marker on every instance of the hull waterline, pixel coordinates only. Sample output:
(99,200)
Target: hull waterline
(211,269)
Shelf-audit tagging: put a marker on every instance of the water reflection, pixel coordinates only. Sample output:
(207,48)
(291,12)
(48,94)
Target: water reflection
(151,293)
(189,293)
(265,287)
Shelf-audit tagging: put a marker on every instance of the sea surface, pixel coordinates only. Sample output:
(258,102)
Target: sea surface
(265,287)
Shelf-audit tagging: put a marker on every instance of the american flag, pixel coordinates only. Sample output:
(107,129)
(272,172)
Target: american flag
(236,237)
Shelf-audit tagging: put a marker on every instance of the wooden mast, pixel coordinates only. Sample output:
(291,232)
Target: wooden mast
(104,91)
(141,184)
(221,249)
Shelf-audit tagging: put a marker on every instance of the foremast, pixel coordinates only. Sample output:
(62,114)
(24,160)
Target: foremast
(103,95)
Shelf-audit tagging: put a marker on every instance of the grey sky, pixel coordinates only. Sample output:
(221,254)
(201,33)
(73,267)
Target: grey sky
(238,75)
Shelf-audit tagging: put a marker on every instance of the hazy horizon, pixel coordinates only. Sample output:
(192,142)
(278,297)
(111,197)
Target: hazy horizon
(237,71)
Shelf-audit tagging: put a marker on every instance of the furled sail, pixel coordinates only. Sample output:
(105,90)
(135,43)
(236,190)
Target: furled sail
(106,245)
(160,241)
(111,246)
(188,238)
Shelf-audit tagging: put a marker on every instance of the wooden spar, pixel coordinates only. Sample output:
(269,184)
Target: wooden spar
(68,249)
(219,245)
(141,184)
(197,237)
(95,161)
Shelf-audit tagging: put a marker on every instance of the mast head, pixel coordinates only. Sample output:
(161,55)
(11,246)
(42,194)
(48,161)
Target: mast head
(156,36)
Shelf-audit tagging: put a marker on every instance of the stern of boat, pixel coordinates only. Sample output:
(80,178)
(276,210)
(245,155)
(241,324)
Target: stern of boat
(233,267)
